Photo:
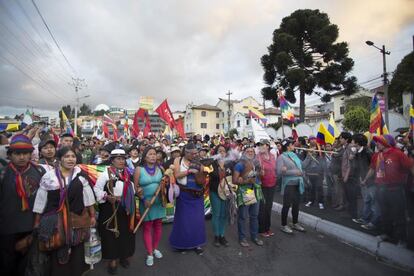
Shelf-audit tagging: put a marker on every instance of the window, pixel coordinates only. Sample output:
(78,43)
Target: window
(217,114)
(222,125)
(247,122)
(203,125)
(203,114)
(222,114)
(342,110)
(217,126)
(238,123)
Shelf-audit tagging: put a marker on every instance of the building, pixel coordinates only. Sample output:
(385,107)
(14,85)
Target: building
(339,101)
(236,106)
(202,119)
(272,114)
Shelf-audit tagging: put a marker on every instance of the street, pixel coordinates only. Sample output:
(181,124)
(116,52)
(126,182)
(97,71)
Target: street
(302,254)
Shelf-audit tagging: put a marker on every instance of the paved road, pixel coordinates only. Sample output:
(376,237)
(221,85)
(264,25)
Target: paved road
(301,254)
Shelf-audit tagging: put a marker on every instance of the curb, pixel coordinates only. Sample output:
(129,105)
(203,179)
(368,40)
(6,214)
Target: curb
(401,257)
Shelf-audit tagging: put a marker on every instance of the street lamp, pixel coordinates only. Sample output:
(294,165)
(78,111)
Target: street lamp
(384,75)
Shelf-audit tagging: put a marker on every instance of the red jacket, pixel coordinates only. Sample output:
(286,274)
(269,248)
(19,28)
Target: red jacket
(269,167)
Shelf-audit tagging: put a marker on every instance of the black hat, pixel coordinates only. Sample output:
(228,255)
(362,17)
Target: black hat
(44,142)
(66,134)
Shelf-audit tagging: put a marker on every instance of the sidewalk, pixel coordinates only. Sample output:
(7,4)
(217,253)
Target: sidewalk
(342,218)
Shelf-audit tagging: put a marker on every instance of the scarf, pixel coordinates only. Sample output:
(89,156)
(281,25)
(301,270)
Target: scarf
(20,189)
(287,178)
(128,197)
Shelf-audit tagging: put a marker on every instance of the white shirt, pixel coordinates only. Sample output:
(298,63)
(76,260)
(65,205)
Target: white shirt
(49,182)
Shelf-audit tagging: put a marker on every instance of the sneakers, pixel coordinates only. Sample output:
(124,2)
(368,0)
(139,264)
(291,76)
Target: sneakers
(150,260)
(223,241)
(258,242)
(308,204)
(216,241)
(265,235)
(270,233)
(199,251)
(286,229)
(157,254)
(368,226)
(359,221)
(321,207)
(244,243)
(298,227)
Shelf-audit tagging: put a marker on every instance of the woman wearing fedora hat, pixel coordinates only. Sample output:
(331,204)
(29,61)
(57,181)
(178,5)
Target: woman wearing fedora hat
(115,194)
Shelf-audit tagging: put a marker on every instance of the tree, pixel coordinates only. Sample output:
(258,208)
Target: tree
(304,56)
(356,119)
(85,110)
(403,80)
(70,112)
(100,112)
(362,101)
(233,132)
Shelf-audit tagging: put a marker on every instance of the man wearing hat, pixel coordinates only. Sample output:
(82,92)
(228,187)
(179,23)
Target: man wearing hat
(18,186)
(390,166)
(175,153)
(66,140)
(47,153)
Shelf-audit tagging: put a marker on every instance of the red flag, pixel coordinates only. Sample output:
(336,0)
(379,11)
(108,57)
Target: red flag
(105,130)
(147,128)
(115,132)
(135,126)
(165,113)
(179,126)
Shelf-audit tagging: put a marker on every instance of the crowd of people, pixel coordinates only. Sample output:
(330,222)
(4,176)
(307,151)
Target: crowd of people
(48,203)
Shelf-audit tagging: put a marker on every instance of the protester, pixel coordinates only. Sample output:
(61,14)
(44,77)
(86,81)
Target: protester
(246,174)
(219,206)
(148,177)
(66,140)
(66,188)
(349,174)
(189,226)
(289,166)
(115,192)
(370,214)
(19,183)
(175,153)
(133,160)
(313,165)
(268,178)
(339,192)
(47,154)
(390,167)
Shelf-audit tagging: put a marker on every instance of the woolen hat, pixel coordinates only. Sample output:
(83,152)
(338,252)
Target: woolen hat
(20,143)
(386,140)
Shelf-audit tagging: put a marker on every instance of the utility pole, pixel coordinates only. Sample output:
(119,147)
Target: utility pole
(385,81)
(228,112)
(78,84)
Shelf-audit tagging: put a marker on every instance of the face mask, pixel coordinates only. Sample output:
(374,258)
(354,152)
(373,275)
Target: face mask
(353,149)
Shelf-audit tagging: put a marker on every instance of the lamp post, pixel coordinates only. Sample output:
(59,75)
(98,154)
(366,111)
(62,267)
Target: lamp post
(384,75)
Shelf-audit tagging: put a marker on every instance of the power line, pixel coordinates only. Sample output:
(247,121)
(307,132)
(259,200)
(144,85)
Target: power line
(26,15)
(30,77)
(50,32)
(380,77)
(21,41)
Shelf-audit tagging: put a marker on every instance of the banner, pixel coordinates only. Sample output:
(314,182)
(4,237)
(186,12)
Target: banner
(179,126)
(258,131)
(165,113)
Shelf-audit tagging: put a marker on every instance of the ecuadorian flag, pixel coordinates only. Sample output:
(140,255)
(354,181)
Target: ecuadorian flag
(324,136)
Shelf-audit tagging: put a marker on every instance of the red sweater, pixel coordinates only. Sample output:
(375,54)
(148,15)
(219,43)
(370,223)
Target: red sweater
(397,167)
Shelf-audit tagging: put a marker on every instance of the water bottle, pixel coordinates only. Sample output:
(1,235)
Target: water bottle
(93,253)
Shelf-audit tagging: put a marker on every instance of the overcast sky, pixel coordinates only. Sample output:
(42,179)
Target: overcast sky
(186,51)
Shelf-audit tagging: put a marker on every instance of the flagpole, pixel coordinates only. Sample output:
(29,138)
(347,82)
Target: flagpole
(283,128)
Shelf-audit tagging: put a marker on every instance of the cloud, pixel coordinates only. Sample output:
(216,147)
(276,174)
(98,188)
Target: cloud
(186,51)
